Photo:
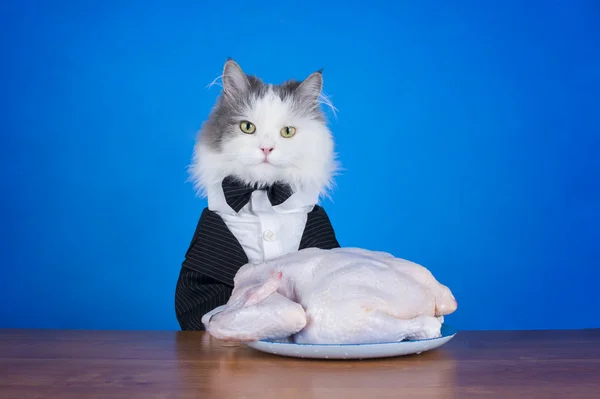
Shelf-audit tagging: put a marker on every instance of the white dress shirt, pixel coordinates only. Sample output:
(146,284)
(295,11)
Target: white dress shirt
(265,231)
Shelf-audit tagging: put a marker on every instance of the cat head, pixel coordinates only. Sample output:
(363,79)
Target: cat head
(262,133)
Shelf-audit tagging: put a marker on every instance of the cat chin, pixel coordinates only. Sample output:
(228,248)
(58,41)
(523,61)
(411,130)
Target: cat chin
(209,168)
(260,173)
(267,174)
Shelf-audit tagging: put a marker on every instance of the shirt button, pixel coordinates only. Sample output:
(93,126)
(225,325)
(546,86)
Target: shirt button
(268,235)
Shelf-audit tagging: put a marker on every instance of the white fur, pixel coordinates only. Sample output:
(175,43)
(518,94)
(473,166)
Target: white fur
(306,161)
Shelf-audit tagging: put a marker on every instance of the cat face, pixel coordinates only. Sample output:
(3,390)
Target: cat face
(262,133)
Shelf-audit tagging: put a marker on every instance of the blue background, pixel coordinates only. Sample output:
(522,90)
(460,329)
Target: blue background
(469,133)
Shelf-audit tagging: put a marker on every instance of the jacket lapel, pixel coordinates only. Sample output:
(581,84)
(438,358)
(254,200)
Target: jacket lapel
(318,232)
(215,252)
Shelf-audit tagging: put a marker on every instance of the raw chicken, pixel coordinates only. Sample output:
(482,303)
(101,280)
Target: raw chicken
(336,296)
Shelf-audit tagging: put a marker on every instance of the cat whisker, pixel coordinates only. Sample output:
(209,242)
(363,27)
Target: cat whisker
(214,82)
(291,163)
(240,157)
(325,100)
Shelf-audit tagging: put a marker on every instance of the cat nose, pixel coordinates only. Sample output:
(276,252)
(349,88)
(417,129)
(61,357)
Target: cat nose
(266,150)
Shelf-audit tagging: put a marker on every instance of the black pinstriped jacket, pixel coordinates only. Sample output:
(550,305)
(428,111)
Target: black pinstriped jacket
(214,256)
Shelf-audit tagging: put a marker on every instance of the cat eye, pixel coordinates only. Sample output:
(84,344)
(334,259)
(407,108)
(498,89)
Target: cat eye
(247,127)
(288,131)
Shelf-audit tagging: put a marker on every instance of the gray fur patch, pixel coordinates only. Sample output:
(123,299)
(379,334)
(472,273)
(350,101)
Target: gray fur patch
(224,119)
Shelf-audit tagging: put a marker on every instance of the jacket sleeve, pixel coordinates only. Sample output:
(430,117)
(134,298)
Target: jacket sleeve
(206,276)
(196,295)
(318,232)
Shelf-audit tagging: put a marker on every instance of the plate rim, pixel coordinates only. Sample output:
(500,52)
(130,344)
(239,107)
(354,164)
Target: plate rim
(450,333)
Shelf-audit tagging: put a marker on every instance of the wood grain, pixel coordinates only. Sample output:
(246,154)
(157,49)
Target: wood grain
(148,364)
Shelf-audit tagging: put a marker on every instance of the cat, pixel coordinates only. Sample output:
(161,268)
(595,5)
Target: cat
(263,159)
(307,160)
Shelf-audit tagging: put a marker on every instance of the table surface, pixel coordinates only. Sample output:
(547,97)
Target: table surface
(152,364)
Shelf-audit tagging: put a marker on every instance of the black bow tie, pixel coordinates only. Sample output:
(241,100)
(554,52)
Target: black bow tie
(237,193)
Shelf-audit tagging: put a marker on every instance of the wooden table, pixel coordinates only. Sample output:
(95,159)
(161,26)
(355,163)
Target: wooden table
(131,365)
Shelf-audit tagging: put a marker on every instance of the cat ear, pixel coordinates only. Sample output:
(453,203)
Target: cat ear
(235,81)
(310,89)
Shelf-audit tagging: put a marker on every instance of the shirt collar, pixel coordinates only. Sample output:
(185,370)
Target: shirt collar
(298,201)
